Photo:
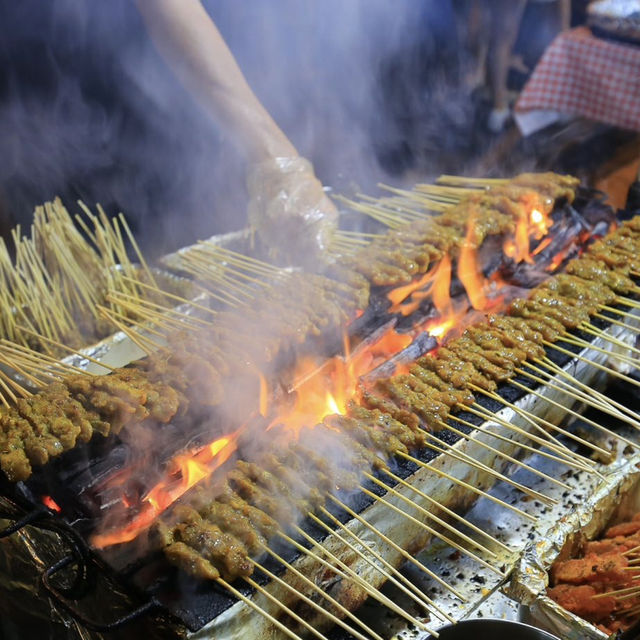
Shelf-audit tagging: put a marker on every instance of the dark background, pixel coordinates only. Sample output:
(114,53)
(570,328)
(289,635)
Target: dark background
(369,90)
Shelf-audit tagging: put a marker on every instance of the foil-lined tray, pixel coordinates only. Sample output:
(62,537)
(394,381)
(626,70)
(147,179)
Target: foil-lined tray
(241,241)
(117,349)
(616,499)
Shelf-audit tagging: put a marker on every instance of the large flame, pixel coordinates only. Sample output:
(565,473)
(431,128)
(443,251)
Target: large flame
(325,387)
(322,390)
(185,470)
(469,271)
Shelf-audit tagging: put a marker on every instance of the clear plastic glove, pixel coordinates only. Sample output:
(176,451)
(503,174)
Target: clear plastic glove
(290,211)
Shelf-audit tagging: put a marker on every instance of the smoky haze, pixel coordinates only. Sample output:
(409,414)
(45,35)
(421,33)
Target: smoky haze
(89,110)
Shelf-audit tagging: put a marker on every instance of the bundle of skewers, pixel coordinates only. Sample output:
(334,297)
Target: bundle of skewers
(264,318)
(54,279)
(220,529)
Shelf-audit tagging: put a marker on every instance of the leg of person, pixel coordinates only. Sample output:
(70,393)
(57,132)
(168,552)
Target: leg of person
(506,16)
(472,25)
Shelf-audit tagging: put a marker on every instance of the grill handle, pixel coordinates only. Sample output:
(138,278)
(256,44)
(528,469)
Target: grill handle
(33,516)
(80,617)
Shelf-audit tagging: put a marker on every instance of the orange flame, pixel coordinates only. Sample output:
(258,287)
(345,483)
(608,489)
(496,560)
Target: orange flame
(435,283)
(533,222)
(397,295)
(468,270)
(50,503)
(185,470)
(325,390)
(442,287)
(263,406)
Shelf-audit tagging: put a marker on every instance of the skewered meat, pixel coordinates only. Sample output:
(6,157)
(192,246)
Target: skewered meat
(387,419)
(602,569)
(580,600)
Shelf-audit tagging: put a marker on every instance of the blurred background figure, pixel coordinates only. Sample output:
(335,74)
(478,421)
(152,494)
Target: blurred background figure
(490,29)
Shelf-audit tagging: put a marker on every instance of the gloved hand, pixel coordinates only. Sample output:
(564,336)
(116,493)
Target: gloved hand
(290,211)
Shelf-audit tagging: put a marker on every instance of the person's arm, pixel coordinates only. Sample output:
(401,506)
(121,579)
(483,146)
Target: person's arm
(288,206)
(192,46)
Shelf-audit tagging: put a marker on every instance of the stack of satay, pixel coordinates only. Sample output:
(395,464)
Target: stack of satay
(216,529)
(601,585)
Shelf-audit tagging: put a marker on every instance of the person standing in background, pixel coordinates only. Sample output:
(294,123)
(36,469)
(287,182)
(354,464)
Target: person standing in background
(491,30)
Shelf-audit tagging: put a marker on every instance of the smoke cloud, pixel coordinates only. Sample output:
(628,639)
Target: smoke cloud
(89,110)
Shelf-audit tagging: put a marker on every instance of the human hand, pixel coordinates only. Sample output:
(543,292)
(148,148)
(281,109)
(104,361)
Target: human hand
(291,212)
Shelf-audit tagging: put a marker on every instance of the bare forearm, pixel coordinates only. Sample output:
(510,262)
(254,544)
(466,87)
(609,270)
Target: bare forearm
(192,45)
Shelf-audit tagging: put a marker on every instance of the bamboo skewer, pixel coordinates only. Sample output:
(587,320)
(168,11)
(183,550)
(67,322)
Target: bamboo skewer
(634,362)
(608,370)
(618,323)
(616,592)
(504,455)
(569,458)
(620,312)
(594,331)
(466,485)
(142,303)
(255,607)
(629,302)
(407,556)
(171,296)
(18,368)
(538,424)
(521,445)
(463,180)
(566,384)
(419,601)
(135,337)
(59,345)
(428,529)
(334,619)
(588,421)
(445,509)
(616,405)
(342,568)
(44,360)
(286,609)
(136,248)
(541,421)
(581,396)
(468,460)
(426,602)
(323,594)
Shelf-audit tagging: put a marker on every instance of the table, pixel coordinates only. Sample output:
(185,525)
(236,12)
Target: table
(581,75)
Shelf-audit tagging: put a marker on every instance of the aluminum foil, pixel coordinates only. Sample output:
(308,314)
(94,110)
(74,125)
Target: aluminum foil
(240,622)
(616,499)
(118,350)
(241,241)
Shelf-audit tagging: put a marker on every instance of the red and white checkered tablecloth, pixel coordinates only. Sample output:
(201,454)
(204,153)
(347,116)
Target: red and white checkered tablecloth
(582,75)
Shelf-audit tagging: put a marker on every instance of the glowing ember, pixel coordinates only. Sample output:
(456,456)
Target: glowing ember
(186,470)
(50,503)
(521,240)
(541,247)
